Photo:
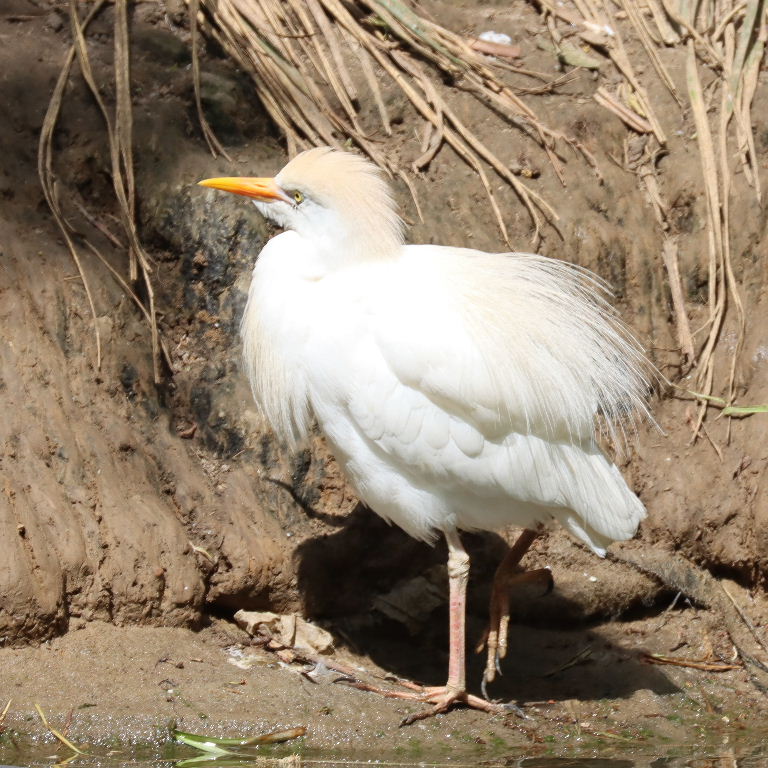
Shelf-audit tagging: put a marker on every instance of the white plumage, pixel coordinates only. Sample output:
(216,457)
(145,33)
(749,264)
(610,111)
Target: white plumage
(459,390)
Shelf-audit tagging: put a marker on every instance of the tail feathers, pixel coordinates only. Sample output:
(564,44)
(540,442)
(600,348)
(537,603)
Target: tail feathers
(595,541)
(602,508)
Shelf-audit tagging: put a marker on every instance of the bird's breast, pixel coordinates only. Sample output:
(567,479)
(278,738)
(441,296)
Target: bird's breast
(305,331)
(277,330)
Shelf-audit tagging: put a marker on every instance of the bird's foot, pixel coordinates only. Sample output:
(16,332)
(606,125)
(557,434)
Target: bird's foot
(496,636)
(443,697)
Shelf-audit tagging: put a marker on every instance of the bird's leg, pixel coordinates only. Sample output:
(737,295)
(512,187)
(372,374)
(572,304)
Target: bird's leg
(455,690)
(458,577)
(443,697)
(507,574)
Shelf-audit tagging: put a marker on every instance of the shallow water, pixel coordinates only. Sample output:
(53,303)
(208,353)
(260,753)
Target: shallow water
(172,755)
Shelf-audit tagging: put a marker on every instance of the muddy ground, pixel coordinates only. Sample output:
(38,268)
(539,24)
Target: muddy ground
(118,687)
(138,517)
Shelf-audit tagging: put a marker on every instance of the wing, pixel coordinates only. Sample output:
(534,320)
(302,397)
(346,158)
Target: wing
(497,402)
(522,342)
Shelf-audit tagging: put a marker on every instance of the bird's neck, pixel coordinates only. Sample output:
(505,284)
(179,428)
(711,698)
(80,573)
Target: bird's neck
(349,246)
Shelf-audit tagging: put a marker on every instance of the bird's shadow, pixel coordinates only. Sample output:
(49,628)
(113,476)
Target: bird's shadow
(343,574)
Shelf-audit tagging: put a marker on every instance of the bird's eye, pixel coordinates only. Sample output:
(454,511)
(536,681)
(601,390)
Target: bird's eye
(298,197)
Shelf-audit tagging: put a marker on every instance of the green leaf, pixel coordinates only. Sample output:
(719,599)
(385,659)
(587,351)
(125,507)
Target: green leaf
(709,398)
(214,745)
(744,410)
(208,744)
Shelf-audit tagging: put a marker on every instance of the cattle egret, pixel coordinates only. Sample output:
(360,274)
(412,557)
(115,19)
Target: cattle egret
(458,390)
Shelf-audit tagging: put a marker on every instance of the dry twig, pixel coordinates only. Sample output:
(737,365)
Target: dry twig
(702,664)
(60,736)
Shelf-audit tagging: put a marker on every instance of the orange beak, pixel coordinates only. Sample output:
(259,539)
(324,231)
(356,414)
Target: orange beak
(264,189)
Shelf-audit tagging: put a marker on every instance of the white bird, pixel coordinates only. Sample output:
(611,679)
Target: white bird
(458,390)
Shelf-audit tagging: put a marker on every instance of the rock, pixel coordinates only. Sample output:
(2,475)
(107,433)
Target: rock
(162,46)
(291,631)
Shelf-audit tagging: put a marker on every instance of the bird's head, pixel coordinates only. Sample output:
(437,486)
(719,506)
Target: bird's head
(336,200)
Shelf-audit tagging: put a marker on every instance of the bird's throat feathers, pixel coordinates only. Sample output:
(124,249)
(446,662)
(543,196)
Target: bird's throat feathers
(353,240)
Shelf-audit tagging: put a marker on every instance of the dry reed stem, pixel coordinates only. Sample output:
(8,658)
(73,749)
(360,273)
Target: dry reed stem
(638,23)
(681,21)
(370,78)
(96,224)
(329,33)
(326,68)
(684,335)
(744,85)
(60,736)
(717,294)
(622,111)
(646,171)
(732,61)
(727,19)
(595,20)
(743,616)
(50,190)
(47,177)
(623,63)
(210,137)
(666,32)
(710,29)
(133,296)
(123,114)
(122,176)
(703,665)
(408,183)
